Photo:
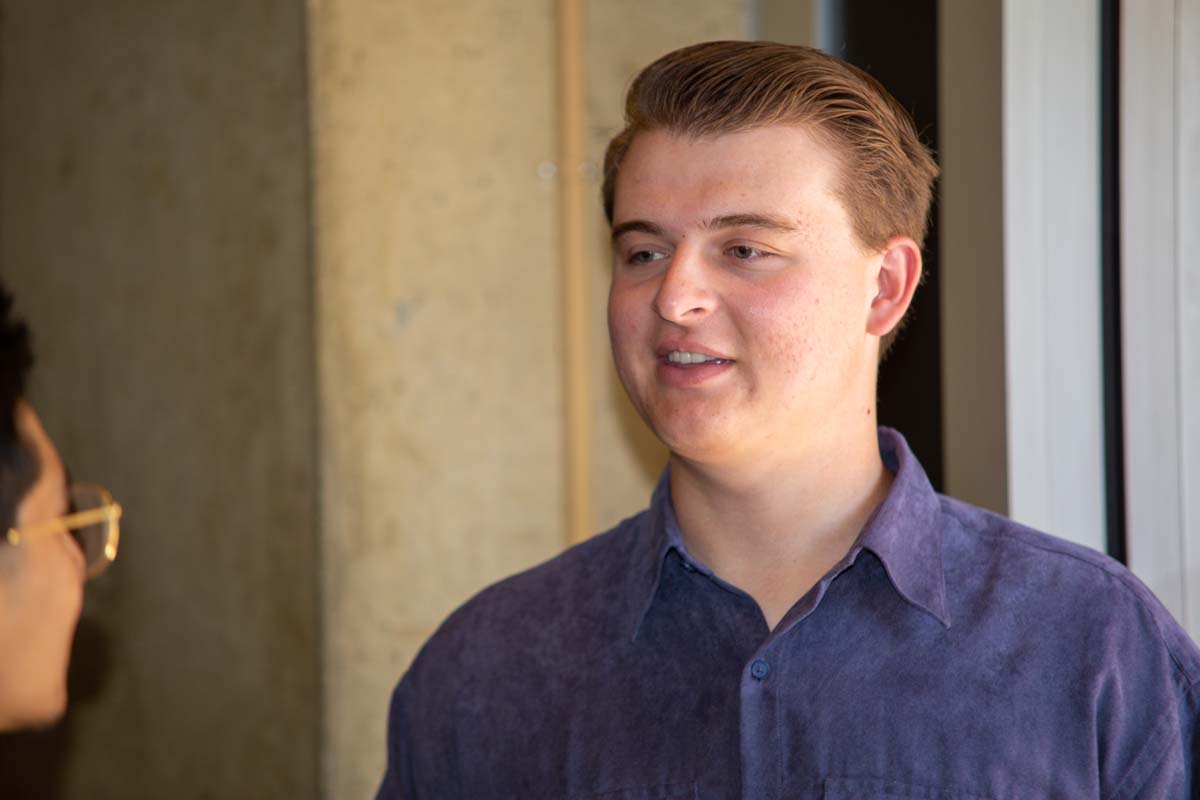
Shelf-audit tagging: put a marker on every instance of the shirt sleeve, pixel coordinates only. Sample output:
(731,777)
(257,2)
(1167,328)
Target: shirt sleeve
(398,780)
(1165,767)
(422,760)
(1144,697)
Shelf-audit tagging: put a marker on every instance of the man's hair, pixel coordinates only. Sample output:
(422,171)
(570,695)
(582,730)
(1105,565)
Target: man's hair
(18,466)
(714,88)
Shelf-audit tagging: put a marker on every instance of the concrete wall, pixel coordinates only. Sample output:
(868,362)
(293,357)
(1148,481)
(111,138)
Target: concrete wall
(788,21)
(154,227)
(439,318)
(437,298)
(971,205)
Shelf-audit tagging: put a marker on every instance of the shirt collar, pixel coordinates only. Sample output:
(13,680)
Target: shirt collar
(904,532)
(650,551)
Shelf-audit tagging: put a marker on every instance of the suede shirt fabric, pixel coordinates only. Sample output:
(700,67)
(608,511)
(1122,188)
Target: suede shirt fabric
(952,654)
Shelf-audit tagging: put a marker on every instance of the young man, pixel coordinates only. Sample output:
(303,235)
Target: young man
(798,614)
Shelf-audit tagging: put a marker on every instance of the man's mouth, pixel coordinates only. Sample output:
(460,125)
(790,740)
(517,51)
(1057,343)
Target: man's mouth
(684,358)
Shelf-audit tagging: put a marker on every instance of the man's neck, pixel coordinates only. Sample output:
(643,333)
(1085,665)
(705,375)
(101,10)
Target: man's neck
(774,528)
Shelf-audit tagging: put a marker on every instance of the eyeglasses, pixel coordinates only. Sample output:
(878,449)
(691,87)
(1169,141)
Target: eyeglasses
(92,523)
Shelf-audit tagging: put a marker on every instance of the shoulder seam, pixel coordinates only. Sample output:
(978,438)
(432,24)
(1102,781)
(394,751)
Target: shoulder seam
(1126,580)
(1034,545)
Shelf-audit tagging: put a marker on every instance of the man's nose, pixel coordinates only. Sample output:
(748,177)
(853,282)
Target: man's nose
(685,294)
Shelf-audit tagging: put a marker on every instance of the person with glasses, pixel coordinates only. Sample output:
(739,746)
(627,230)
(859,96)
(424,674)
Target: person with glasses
(56,535)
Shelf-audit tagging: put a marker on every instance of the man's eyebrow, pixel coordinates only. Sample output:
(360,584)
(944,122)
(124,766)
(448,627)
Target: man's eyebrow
(766,221)
(636,225)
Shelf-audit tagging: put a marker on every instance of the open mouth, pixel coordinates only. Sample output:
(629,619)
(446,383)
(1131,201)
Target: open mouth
(682,358)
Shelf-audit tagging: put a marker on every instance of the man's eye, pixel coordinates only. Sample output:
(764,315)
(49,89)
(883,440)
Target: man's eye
(744,252)
(645,256)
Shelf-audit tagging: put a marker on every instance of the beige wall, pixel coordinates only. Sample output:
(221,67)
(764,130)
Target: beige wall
(971,205)
(437,298)
(154,227)
(439,318)
(788,21)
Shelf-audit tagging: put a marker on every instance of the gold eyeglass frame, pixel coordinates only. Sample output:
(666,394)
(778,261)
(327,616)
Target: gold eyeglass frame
(108,512)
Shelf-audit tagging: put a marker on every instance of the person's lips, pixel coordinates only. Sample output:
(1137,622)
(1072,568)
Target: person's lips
(688,364)
(687,354)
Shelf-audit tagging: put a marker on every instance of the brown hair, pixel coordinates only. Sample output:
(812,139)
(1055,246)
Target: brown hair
(725,87)
(717,88)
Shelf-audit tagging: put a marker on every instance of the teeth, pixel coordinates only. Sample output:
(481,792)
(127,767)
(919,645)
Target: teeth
(681,357)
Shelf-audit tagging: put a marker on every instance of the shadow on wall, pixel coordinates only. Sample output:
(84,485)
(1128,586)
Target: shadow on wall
(648,451)
(34,763)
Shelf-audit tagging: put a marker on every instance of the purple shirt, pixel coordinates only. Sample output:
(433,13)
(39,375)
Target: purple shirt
(951,654)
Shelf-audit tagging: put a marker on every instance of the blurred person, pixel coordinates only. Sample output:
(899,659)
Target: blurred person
(56,536)
(798,614)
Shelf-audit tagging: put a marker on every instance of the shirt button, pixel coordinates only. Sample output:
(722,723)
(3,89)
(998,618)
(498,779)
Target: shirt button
(687,565)
(760,669)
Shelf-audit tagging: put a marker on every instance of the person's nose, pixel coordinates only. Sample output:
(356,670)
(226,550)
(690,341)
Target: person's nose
(685,294)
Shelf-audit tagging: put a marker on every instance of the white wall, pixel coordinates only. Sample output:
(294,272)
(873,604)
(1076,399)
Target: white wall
(1052,267)
(1160,263)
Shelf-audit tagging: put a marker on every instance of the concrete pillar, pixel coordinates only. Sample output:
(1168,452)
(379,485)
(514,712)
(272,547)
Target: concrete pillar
(154,226)
(439,359)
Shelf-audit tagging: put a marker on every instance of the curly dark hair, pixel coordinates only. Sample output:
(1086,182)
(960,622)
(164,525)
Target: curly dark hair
(16,358)
(18,466)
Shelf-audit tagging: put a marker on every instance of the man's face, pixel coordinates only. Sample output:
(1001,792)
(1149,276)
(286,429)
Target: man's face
(734,249)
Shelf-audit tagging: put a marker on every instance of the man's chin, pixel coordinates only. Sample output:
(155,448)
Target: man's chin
(700,447)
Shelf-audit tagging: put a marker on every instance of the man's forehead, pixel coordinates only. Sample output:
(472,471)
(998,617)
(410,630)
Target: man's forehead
(770,172)
(674,207)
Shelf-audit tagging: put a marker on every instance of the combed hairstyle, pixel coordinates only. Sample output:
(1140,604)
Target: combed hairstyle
(725,87)
(887,174)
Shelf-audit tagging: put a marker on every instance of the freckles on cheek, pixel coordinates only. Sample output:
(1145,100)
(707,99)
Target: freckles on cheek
(795,355)
(791,329)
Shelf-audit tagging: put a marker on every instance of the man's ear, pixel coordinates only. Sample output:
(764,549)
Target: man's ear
(896,280)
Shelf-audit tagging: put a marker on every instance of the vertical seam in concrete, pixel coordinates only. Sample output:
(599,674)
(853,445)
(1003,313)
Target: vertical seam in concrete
(575,305)
(321,767)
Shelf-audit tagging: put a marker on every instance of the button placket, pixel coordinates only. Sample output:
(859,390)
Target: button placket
(759,732)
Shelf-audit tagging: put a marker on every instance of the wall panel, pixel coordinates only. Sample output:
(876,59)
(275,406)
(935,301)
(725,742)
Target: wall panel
(438,332)
(154,227)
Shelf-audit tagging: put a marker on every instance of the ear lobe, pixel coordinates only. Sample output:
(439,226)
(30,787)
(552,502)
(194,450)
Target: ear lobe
(896,281)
